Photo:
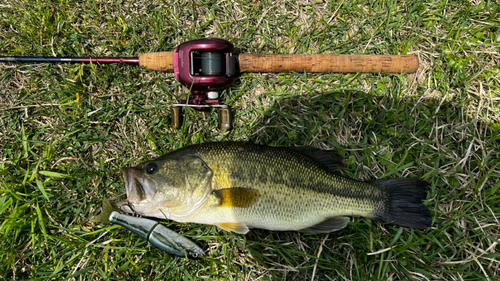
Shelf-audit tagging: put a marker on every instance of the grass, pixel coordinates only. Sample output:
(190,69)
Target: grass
(66,130)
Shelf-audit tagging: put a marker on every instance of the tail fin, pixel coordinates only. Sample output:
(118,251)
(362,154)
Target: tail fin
(405,207)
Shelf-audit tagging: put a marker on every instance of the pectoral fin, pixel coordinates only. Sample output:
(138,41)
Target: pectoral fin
(328,225)
(240,228)
(236,197)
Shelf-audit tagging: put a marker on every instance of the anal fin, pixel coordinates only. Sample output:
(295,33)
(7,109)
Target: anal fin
(328,225)
(239,228)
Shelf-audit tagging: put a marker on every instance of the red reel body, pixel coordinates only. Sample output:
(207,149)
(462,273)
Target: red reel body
(204,66)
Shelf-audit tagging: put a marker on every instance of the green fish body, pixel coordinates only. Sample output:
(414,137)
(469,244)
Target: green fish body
(238,186)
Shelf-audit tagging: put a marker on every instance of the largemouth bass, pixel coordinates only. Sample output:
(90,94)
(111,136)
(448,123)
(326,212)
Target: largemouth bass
(238,186)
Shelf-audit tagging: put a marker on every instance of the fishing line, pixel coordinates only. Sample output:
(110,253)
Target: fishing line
(212,63)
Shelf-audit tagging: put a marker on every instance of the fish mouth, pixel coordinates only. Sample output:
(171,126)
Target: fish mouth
(139,189)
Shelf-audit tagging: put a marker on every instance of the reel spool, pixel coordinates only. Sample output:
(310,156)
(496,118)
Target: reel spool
(212,63)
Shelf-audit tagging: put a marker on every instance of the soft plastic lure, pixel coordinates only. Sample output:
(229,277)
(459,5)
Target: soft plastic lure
(158,235)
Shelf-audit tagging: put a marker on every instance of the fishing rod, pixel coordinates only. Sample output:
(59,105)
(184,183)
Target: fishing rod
(207,66)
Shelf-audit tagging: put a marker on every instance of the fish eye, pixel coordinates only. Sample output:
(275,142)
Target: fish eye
(151,168)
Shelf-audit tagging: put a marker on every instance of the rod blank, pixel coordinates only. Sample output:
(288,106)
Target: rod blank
(103,60)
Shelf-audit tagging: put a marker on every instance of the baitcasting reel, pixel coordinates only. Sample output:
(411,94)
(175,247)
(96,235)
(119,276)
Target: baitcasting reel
(205,67)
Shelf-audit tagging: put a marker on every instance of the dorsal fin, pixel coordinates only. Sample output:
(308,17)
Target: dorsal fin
(236,197)
(330,159)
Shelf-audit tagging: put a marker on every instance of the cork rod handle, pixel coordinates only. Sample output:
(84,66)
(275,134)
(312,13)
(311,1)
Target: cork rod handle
(328,63)
(163,61)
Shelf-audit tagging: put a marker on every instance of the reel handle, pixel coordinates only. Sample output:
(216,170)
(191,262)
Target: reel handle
(225,116)
(328,63)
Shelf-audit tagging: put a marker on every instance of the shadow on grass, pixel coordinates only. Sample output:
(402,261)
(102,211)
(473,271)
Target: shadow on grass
(386,137)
